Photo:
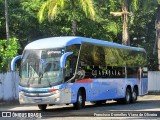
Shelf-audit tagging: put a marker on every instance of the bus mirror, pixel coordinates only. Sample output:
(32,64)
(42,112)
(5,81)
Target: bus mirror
(63,59)
(14,61)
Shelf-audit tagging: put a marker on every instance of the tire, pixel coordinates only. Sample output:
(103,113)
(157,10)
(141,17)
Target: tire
(127,98)
(42,107)
(134,96)
(80,103)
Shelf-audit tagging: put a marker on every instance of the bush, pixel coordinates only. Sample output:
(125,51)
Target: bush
(8,50)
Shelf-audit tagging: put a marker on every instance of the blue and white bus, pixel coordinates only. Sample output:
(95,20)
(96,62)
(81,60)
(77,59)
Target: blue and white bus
(73,70)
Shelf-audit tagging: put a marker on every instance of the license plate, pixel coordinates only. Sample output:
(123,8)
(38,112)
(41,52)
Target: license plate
(38,100)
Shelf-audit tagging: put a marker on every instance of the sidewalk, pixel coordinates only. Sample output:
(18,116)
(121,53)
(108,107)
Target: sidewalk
(154,93)
(9,104)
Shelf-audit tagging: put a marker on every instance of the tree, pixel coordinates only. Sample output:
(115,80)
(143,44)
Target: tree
(24,25)
(8,51)
(157,26)
(152,5)
(7,21)
(57,6)
(125,6)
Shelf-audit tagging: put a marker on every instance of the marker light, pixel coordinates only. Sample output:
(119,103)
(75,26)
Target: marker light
(52,90)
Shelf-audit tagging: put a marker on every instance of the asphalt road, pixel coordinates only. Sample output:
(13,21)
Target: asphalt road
(146,107)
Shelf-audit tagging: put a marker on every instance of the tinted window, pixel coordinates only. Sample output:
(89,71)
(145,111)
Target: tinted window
(100,61)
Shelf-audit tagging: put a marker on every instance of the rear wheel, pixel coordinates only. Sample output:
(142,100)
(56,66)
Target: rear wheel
(42,107)
(127,98)
(80,103)
(134,95)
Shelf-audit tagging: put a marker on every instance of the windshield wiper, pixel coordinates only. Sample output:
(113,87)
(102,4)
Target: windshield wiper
(49,81)
(30,79)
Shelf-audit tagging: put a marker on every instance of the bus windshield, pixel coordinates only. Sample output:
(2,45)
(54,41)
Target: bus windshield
(41,68)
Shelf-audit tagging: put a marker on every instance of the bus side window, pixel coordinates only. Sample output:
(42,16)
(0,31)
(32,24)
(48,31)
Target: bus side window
(94,72)
(132,72)
(88,72)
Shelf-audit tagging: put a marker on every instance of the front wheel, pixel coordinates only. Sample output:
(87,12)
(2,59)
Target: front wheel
(42,107)
(80,103)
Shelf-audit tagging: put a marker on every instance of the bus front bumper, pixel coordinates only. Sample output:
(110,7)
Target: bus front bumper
(57,97)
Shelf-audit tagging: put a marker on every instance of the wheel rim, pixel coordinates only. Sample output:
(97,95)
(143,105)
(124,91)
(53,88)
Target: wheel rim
(134,95)
(127,97)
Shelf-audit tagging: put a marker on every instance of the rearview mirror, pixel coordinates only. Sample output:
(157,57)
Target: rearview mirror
(63,59)
(14,61)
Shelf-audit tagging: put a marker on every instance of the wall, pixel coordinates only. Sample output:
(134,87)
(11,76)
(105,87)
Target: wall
(154,81)
(9,84)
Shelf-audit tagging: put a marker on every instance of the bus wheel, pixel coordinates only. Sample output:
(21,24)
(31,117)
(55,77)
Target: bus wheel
(80,103)
(127,98)
(134,95)
(42,107)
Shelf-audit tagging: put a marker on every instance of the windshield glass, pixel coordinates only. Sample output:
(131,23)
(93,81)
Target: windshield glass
(41,68)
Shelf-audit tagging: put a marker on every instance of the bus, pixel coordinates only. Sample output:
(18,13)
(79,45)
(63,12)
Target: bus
(75,70)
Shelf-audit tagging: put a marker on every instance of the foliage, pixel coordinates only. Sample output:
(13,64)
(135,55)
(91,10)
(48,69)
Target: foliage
(24,23)
(7,52)
(54,7)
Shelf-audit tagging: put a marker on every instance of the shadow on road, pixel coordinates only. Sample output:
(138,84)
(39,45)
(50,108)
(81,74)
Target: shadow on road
(89,110)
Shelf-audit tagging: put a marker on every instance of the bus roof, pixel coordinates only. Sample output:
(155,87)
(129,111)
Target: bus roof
(57,42)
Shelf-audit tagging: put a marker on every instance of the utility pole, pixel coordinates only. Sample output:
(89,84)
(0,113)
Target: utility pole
(124,13)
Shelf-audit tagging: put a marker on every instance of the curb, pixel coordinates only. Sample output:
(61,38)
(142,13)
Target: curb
(9,102)
(154,93)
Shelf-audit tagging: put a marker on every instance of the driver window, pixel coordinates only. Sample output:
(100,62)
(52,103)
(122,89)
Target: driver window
(68,68)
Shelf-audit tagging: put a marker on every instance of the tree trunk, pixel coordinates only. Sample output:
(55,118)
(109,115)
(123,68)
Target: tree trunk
(74,24)
(7,28)
(157,26)
(74,27)
(125,34)
(7,23)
